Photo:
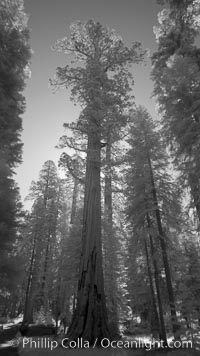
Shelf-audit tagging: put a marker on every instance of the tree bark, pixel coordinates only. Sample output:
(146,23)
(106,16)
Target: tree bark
(90,318)
(109,244)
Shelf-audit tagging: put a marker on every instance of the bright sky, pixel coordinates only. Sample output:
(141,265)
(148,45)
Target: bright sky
(46,112)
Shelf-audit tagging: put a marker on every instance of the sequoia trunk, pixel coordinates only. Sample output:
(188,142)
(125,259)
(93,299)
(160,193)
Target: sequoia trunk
(90,318)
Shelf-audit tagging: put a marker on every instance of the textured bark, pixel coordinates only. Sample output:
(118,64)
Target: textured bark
(90,318)
(109,245)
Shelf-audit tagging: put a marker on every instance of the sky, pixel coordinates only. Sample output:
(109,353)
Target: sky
(46,111)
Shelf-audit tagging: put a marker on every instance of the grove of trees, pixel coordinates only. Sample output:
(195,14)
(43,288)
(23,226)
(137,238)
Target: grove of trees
(113,247)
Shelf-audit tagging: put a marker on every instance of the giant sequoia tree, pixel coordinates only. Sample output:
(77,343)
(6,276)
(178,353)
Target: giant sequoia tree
(101,85)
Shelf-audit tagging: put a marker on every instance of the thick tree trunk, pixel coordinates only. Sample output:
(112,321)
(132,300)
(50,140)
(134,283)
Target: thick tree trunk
(90,318)
(109,245)
(162,237)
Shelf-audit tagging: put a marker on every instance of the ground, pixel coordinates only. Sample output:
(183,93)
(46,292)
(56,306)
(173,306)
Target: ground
(12,343)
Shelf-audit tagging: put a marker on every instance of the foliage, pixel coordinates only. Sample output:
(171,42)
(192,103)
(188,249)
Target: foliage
(153,204)
(15,55)
(176,78)
(102,51)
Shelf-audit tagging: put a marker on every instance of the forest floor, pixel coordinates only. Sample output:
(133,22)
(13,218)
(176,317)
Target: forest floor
(11,344)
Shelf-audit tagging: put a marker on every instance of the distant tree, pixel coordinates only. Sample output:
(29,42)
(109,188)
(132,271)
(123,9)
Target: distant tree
(32,250)
(42,237)
(151,198)
(101,86)
(74,168)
